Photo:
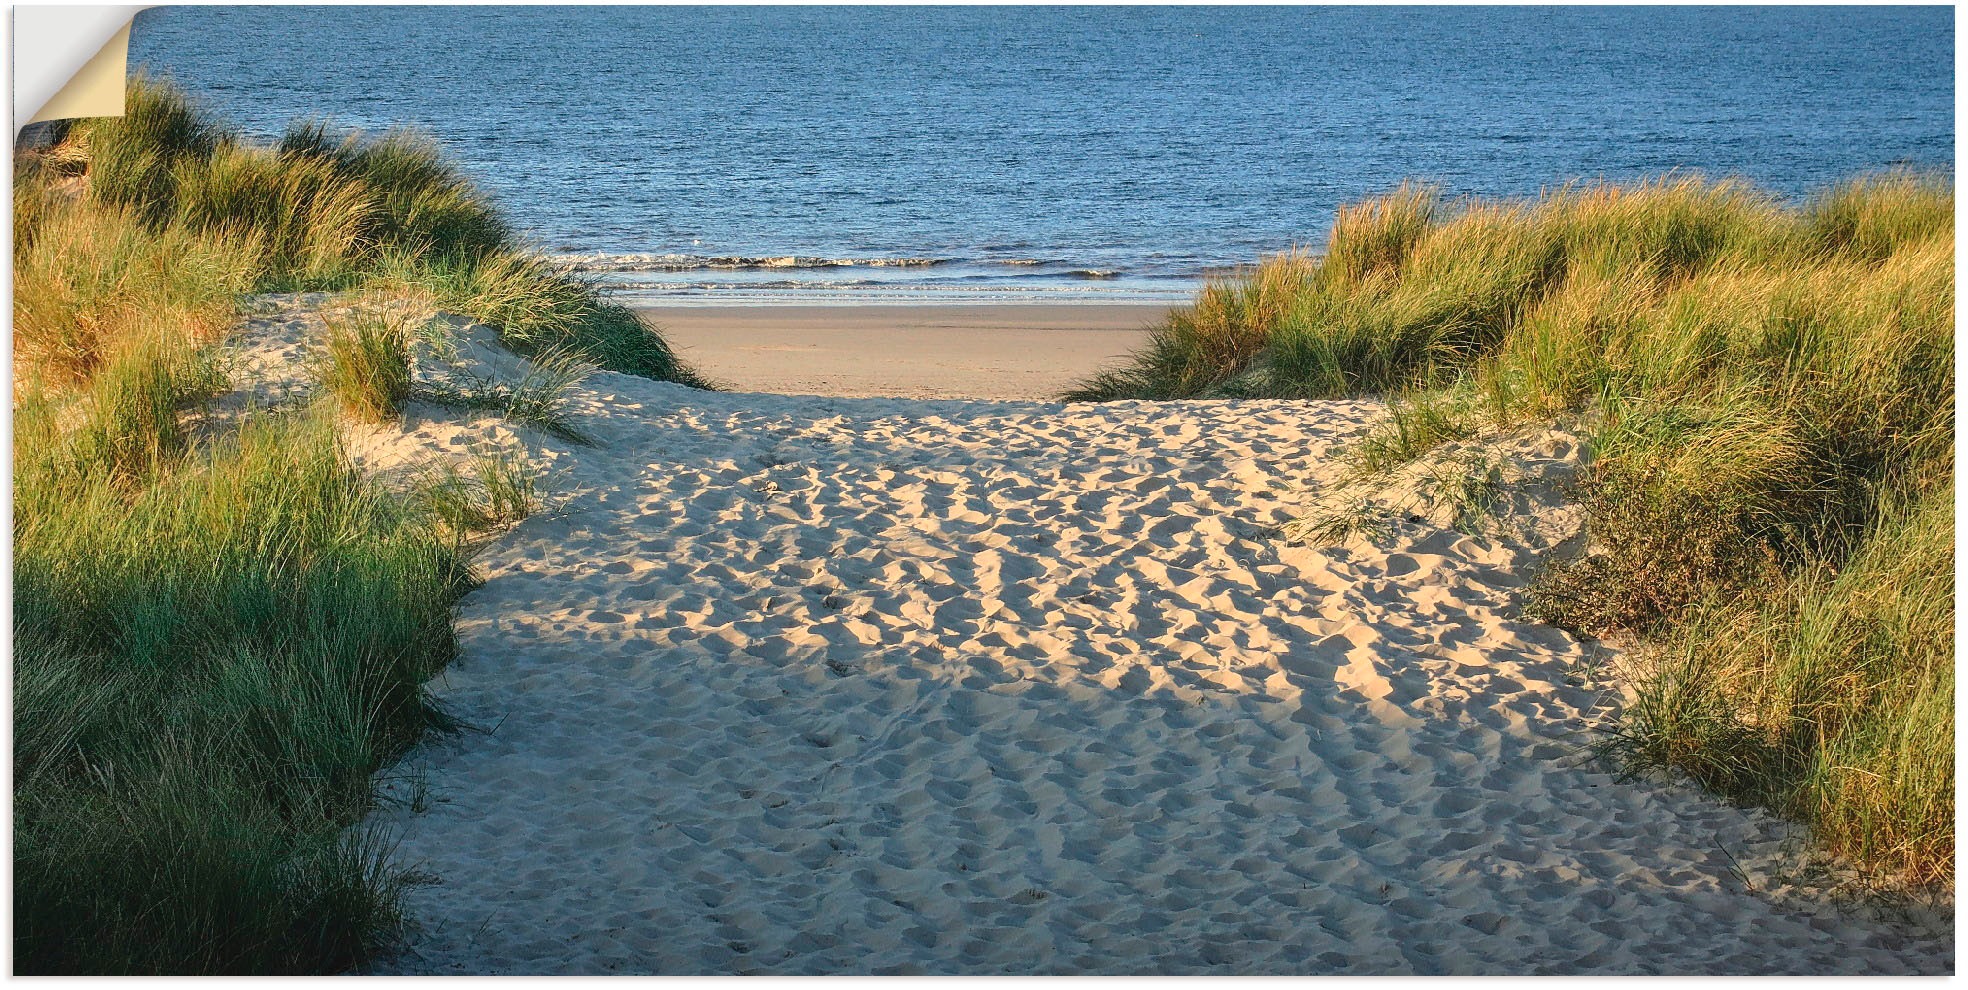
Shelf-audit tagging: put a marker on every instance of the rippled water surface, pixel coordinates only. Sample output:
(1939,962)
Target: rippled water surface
(1056,152)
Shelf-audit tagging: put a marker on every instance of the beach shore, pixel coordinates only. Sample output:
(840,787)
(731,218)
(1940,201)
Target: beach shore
(1009,351)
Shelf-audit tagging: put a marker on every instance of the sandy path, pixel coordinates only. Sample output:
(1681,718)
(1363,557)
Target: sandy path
(983,351)
(800,685)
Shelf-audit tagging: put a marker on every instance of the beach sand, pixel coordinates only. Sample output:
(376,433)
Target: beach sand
(800,684)
(983,351)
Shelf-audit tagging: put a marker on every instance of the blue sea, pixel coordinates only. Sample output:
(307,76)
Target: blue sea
(1060,153)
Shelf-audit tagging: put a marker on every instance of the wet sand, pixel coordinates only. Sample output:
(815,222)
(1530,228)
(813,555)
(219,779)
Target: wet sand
(978,351)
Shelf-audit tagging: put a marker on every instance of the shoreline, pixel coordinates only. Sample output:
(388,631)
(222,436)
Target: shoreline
(993,351)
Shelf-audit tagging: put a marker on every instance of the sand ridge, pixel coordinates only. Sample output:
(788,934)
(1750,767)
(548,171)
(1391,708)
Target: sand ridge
(797,684)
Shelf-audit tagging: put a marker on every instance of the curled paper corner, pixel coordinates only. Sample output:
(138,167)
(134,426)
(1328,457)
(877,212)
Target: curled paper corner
(69,61)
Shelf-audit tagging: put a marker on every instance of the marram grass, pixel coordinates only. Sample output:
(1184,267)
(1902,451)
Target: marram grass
(326,210)
(366,366)
(1830,697)
(221,632)
(1769,394)
(91,281)
(212,656)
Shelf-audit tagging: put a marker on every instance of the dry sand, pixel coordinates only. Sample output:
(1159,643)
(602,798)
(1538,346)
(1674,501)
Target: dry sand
(827,685)
(1005,351)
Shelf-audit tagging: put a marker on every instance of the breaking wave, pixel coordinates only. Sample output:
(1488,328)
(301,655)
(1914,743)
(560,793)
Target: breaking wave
(694,262)
(651,275)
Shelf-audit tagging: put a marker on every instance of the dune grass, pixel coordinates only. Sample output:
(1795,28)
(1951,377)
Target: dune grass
(417,199)
(1830,697)
(498,490)
(322,210)
(541,308)
(537,399)
(1768,392)
(213,651)
(367,365)
(221,631)
(89,281)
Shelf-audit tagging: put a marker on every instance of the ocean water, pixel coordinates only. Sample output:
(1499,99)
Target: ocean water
(866,153)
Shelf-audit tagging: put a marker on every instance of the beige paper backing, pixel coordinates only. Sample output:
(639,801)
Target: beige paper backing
(97,90)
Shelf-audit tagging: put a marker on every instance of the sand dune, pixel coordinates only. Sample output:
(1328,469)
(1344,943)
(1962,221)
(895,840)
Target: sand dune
(794,684)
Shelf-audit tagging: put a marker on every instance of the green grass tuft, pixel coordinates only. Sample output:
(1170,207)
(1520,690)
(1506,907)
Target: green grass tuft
(366,366)
(540,307)
(538,399)
(500,490)
(133,159)
(93,281)
(328,210)
(420,203)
